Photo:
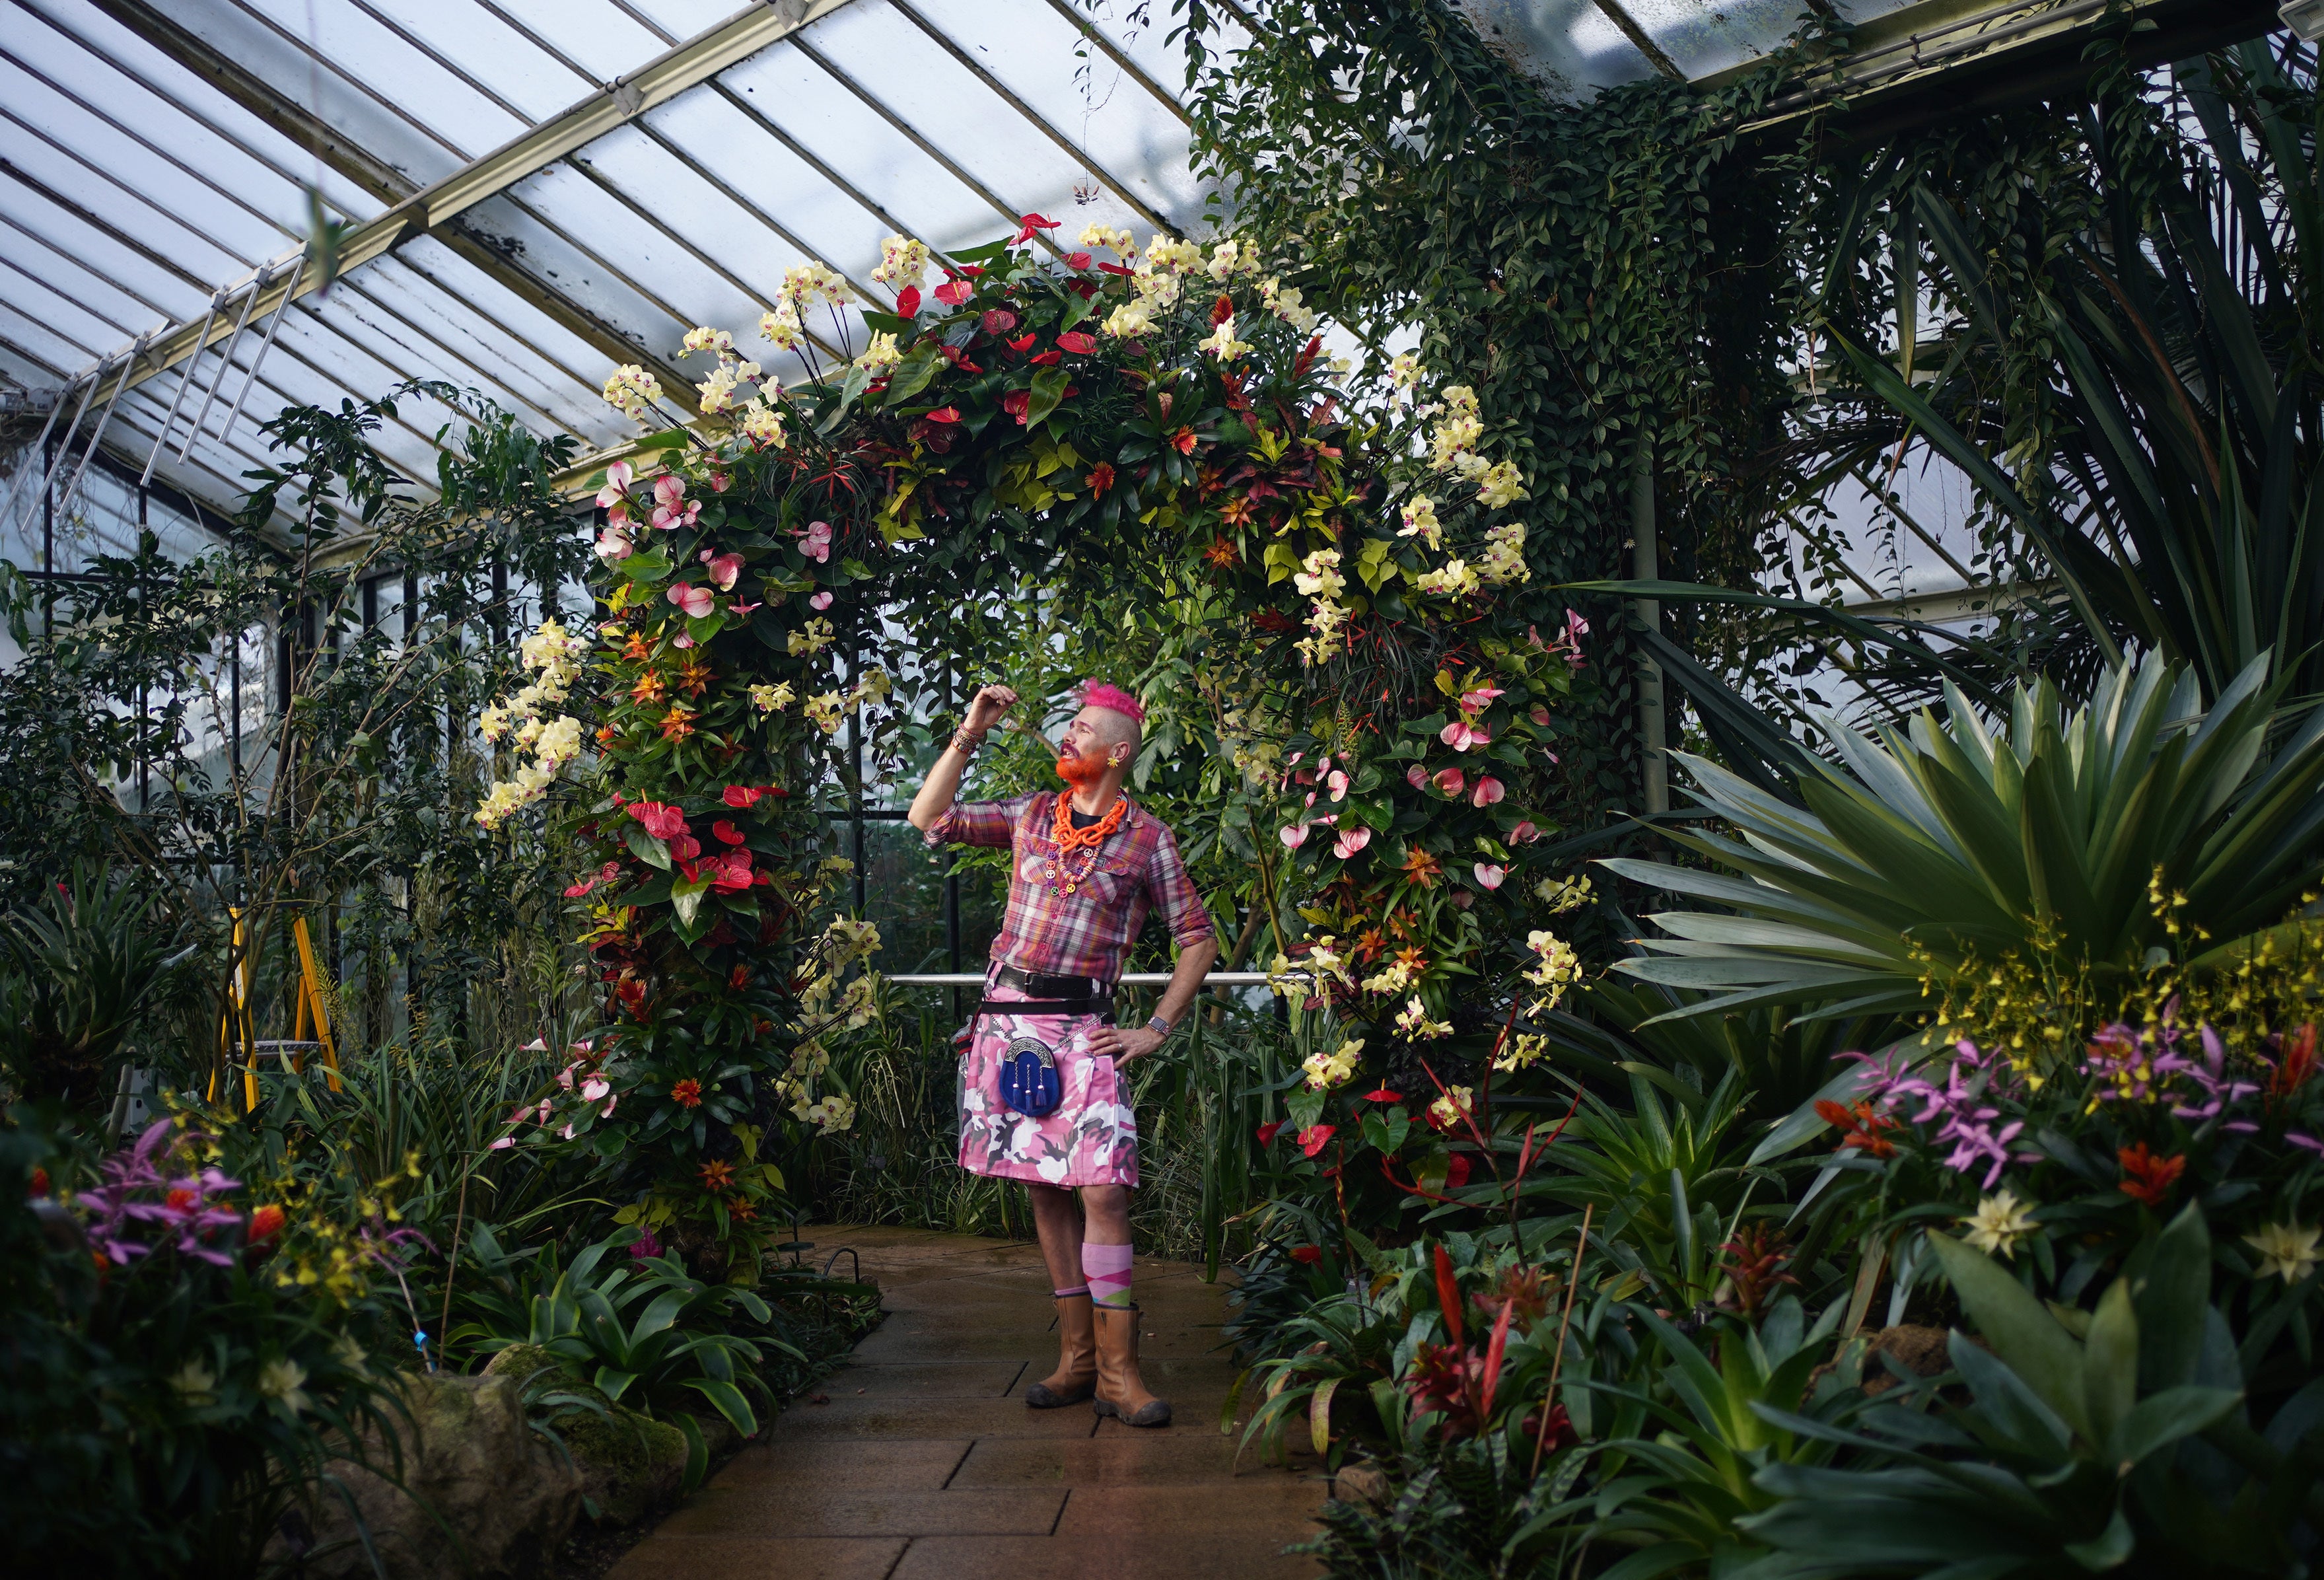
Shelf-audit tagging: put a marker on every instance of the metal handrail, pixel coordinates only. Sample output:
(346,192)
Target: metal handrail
(1133,979)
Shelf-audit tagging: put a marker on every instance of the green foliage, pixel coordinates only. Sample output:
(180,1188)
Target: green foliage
(75,973)
(2093,838)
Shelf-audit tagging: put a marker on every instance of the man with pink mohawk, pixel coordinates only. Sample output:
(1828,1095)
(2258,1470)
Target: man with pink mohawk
(1041,1094)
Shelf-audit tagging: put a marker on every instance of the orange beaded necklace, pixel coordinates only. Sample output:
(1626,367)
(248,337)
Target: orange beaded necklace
(1063,879)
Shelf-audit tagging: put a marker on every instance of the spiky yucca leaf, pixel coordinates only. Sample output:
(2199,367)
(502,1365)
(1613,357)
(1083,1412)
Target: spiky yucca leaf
(1953,843)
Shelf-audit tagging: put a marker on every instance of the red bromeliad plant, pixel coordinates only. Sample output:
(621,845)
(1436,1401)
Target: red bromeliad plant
(1165,420)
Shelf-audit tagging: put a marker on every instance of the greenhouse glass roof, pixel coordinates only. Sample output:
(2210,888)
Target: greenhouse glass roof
(532,191)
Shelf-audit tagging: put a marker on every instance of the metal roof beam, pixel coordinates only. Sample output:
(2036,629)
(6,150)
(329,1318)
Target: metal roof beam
(436,208)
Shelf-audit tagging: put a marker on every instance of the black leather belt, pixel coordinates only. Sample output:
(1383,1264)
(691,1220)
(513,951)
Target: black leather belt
(1049,996)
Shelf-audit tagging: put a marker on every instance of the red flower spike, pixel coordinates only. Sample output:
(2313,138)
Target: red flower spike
(1307,1255)
(265,1224)
(1120,269)
(1448,1296)
(1183,441)
(1221,309)
(687,1094)
(908,301)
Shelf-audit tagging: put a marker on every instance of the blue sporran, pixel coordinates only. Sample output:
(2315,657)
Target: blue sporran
(1029,1078)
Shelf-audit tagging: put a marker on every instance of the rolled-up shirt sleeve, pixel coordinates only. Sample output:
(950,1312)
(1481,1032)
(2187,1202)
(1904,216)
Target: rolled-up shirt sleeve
(1175,896)
(986,823)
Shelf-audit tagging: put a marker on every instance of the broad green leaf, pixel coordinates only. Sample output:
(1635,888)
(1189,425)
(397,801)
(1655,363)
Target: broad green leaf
(2156,1422)
(2042,1354)
(1049,388)
(653,852)
(729,1403)
(2111,1364)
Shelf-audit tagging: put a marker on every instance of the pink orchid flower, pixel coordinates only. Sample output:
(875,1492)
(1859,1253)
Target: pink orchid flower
(1489,790)
(1351,841)
(612,546)
(1293,835)
(618,478)
(1488,876)
(1451,781)
(820,601)
(1339,783)
(695,601)
(725,569)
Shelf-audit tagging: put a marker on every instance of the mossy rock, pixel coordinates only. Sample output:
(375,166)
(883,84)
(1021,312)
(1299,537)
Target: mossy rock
(629,1463)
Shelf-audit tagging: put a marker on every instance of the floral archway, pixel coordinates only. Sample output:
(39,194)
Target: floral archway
(1168,418)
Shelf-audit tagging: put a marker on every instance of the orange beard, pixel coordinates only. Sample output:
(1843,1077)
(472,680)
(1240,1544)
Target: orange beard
(1080,773)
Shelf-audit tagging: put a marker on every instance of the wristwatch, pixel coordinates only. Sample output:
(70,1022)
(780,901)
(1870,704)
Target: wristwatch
(1158,1026)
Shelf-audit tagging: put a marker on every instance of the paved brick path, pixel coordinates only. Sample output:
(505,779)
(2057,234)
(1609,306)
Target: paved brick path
(926,1465)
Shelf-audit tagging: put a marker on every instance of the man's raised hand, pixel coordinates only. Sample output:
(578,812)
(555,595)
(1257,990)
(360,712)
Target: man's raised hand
(985,710)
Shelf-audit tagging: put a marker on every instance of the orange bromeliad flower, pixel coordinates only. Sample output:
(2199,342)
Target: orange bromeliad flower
(637,650)
(1101,477)
(675,725)
(695,675)
(649,690)
(687,1094)
(1221,553)
(1859,1127)
(1421,867)
(2147,1178)
(716,1176)
(1238,512)
(2298,1063)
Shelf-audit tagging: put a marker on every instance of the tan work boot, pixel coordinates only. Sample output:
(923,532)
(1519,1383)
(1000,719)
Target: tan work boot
(1076,1377)
(1119,1391)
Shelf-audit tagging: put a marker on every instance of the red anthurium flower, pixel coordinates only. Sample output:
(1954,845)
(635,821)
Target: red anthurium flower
(1030,223)
(1101,477)
(746,796)
(662,821)
(1523,833)
(1306,1255)
(1079,343)
(1049,359)
(1022,344)
(726,832)
(1077,259)
(998,321)
(908,300)
(1016,402)
(1266,1132)
(1456,1171)
(1382,1096)
(684,848)
(944,414)
(1313,1139)
(953,292)
(730,875)
(1451,780)
(1122,269)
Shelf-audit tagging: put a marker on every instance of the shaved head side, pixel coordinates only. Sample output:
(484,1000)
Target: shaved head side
(1114,727)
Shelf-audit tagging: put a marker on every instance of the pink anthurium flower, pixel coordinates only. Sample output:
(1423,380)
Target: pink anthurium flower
(595,1087)
(1523,833)
(1488,875)
(1351,841)
(814,541)
(618,477)
(1489,790)
(820,601)
(1311,799)
(695,601)
(953,292)
(1461,734)
(1479,699)
(611,546)
(1416,777)
(1451,781)
(725,569)
(1339,783)
(1540,715)
(681,641)
(672,509)
(1293,835)
(740,610)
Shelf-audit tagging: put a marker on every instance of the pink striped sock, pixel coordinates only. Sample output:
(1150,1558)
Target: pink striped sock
(1107,1268)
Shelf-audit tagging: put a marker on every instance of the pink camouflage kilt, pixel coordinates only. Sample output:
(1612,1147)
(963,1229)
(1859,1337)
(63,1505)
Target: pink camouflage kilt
(1090,1137)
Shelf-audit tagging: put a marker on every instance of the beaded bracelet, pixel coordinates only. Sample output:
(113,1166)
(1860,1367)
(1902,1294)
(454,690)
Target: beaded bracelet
(965,743)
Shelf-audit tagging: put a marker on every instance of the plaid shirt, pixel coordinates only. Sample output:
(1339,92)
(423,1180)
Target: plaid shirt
(1088,933)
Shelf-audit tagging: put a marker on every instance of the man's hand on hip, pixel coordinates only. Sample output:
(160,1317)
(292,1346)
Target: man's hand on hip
(1124,1043)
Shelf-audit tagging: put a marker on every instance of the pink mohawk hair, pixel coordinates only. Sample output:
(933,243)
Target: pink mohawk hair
(1113,698)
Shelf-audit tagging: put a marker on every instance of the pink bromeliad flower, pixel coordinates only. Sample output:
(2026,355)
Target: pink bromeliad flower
(695,601)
